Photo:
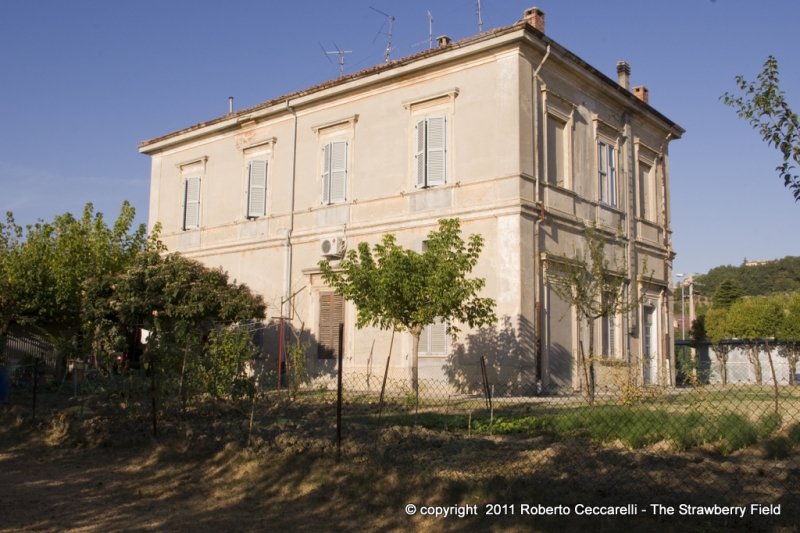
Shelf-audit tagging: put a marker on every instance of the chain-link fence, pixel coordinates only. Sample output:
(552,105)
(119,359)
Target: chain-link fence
(701,444)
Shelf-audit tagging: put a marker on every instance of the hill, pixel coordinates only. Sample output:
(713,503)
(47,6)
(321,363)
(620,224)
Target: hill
(779,276)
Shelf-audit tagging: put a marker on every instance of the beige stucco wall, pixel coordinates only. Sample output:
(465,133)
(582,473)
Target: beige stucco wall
(496,113)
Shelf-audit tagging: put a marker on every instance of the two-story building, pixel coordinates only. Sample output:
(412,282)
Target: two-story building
(510,132)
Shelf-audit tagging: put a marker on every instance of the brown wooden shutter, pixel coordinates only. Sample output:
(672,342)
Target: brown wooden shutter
(331,314)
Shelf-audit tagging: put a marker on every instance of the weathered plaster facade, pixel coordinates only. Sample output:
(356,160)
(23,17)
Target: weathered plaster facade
(521,166)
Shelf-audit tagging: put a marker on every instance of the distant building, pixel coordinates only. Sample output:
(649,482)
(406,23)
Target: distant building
(507,130)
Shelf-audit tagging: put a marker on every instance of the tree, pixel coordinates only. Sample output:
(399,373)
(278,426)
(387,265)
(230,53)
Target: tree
(763,105)
(179,301)
(594,287)
(399,289)
(45,266)
(717,330)
(790,333)
(728,292)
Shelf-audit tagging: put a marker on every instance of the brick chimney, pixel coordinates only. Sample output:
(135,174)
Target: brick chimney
(444,40)
(535,17)
(624,75)
(642,93)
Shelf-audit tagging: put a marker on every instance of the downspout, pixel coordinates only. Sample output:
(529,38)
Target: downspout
(537,296)
(287,245)
(668,352)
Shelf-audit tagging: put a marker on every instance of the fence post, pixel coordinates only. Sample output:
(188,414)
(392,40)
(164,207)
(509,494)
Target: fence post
(339,398)
(35,382)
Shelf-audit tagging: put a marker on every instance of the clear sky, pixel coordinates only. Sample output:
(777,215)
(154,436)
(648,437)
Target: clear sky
(82,83)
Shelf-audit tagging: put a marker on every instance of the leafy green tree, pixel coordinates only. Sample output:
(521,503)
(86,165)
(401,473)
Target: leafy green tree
(179,301)
(763,105)
(790,334)
(752,320)
(729,292)
(399,289)
(593,285)
(716,327)
(45,266)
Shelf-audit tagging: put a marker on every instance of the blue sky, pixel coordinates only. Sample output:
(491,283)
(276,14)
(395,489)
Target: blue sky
(83,82)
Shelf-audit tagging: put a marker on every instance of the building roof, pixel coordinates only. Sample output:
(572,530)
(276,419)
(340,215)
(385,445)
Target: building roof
(235,117)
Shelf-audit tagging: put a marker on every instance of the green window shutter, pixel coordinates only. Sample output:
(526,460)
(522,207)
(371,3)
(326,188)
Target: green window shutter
(437,152)
(419,153)
(326,174)
(338,171)
(191,203)
(257,188)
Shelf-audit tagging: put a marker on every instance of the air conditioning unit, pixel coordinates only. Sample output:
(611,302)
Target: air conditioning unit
(331,246)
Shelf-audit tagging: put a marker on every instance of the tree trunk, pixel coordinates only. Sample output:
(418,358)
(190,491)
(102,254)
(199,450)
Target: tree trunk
(416,331)
(591,364)
(752,352)
(791,358)
(772,371)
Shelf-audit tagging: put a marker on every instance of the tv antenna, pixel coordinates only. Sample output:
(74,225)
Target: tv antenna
(480,21)
(430,33)
(339,56)
(391,30)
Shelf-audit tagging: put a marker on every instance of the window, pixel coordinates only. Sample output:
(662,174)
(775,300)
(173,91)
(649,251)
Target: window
(331,316)
(433,339)
(610,336)
(334,172)
(430,152)
(191,203)
(646,192)
(257,188)
(606,169)
(556,155)
(648,331)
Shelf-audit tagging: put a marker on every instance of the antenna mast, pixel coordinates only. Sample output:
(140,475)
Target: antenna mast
(430,33)
(391,31)
(340,57)
(480,21)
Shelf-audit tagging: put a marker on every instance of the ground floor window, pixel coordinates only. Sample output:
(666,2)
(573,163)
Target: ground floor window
(331,316)
(433,339)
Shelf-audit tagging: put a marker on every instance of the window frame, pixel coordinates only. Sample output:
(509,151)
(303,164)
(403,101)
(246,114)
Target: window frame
(328,154)
(606,171)
(426,181)
(428,331)
(330,332)
(249,191)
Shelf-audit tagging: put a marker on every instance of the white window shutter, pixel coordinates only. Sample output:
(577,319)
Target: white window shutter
(257,190)
(436,151)
(338,172)
(438,342)
(419,153)
(191,209)
(326,173)
(424,341)
(612,178)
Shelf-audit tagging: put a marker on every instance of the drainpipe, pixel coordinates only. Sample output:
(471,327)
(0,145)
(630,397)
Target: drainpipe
(668,352)
(537,271)
(287,244)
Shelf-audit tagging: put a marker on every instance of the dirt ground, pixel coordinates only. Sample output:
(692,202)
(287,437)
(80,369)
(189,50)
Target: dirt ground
(80,468)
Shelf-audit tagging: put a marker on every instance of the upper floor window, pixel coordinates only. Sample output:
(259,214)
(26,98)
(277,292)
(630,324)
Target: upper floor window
(257,188)
(430,152)
(334,172)
(191,203)
(647,209)
(192,173)
(607,173)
